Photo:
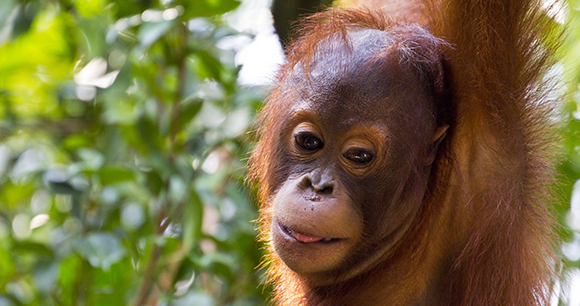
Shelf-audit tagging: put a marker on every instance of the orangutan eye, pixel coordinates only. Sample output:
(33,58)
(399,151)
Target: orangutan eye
(359,156)
(308,142)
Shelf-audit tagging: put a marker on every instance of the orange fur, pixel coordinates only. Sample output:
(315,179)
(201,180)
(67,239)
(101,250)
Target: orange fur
(484,232)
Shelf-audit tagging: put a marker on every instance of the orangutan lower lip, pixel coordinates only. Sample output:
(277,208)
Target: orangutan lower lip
(304,238)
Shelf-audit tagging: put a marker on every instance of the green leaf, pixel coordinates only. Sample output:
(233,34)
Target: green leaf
(207,8)
(33,248)
(92,159)
(154,182)
(110,175)
(184,271)
(189,109)
(101,250)
(11,195)
(207,65)
(149,133)
(192,221)
(128,8)
(61,187)
(75,141)
(219,263)
(68,272)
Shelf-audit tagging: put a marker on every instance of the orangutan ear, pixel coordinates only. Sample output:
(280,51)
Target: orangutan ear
(438,137)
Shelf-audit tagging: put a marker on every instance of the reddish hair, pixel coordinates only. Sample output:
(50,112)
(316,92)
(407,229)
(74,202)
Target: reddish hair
(487,211)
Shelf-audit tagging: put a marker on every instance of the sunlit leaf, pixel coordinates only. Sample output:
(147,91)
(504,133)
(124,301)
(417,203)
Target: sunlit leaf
(206,8)
(150,32)
(194,298)
(89,8)
(11,194)
(132,216)
(110,175)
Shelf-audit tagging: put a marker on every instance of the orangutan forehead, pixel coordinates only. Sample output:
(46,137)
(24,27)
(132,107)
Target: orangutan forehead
(343,57)
(340,116)
(352,91)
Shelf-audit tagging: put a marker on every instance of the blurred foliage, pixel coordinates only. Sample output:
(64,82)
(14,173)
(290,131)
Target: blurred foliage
(123,136)
(568,186)
(122,147)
